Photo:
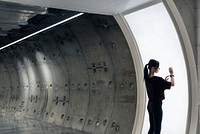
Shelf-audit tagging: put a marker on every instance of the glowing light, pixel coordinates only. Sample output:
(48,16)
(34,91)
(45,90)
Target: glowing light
(28,36)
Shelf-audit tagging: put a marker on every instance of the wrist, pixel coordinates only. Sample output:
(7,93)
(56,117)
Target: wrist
(171,75)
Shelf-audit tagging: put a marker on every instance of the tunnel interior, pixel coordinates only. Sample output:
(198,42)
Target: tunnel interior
(79,75)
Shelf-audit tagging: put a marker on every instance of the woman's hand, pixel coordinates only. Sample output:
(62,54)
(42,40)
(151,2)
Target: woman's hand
(171,76)
(171,70)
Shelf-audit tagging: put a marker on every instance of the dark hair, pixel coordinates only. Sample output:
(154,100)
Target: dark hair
(152,63)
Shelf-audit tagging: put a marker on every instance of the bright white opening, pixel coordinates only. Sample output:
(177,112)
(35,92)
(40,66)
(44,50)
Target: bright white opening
(157,38)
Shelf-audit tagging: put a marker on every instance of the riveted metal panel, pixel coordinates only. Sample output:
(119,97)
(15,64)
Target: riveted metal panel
(14,79)
(36,97)
(124,110)
(46,79)
(5,85)
(79,75)
(58,96)
(23,82)
(78,86)
(100,73)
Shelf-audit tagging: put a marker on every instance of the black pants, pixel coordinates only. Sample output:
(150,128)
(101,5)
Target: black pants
(155,117)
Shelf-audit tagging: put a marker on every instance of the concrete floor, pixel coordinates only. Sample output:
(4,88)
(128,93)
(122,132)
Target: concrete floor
(12,125)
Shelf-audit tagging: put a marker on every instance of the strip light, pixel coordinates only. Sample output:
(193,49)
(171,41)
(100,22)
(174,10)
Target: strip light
(47,28)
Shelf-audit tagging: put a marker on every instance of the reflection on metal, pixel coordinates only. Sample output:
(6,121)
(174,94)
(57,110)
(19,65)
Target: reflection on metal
(71,76)
(13,22)
(11,124)
(13,15)
(3,33)
(18,20)
(16,7)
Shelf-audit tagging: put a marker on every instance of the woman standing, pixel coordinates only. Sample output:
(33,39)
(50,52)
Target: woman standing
(155,90)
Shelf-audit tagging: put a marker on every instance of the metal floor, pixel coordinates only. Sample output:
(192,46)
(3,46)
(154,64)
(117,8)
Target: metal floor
(11,125)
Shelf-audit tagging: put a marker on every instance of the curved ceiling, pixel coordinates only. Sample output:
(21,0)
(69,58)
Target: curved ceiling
(109,7)
(19,18)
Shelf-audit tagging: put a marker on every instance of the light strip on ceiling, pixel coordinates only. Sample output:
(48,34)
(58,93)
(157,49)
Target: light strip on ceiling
(47,28)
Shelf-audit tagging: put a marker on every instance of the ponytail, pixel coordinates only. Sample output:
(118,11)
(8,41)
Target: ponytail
(152,63)
(146,74)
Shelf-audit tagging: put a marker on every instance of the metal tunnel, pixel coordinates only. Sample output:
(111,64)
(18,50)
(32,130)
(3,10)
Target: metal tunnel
(79,75)
(83,76)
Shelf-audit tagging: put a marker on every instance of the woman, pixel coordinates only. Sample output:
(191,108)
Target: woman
(155,90)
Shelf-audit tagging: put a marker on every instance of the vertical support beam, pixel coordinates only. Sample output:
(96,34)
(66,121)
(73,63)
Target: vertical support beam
(190,64)
(141,100)
(197,13)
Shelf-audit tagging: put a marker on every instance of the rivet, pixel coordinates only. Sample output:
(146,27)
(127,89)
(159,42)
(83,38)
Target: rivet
(113,44)
(68,118)
(113,124)
(62,116)
(97,123)
(93,85)
(79,86)
(64,98)
(89,122)
(85,84)
(104,122)
(110,84)
(117,128)
(81,120)
(131,85)
(78,51)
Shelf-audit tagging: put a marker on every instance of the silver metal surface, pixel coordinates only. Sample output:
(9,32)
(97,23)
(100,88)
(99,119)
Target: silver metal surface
(12,125)
(14,15)
(79,76)
(21,8)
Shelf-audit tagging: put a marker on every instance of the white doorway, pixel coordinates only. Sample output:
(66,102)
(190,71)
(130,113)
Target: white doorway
(156,37)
